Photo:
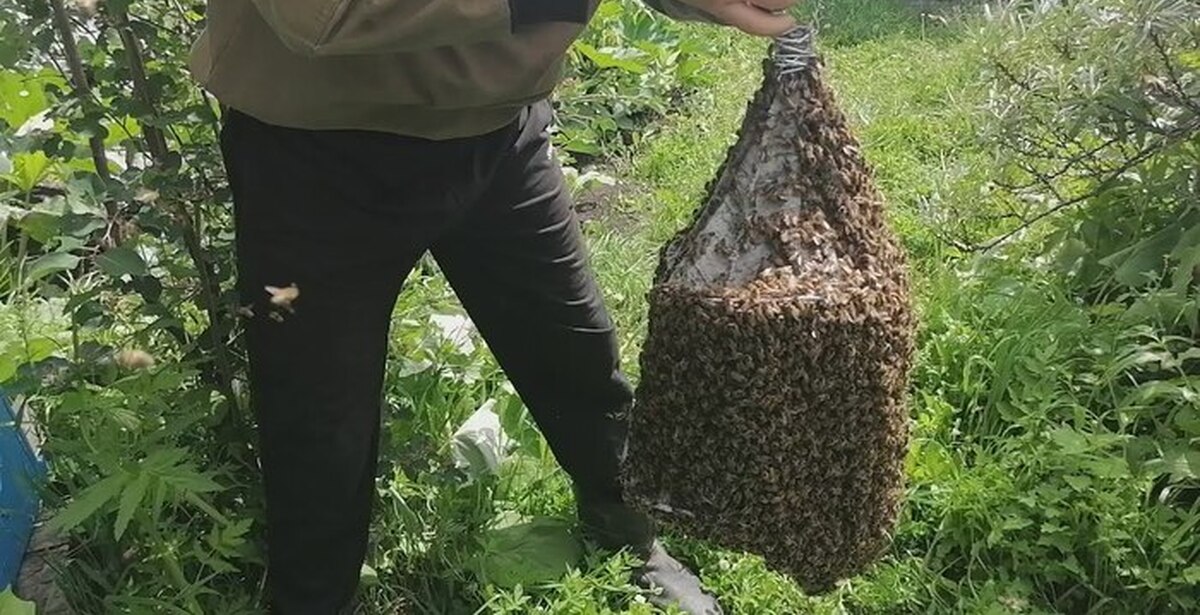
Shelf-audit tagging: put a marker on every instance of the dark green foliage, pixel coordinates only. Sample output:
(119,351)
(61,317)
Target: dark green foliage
(1054,466)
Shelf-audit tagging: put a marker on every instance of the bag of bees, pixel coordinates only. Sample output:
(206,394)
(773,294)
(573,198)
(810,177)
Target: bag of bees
(770,413)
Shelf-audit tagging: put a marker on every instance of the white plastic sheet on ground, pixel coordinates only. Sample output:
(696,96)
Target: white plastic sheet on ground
(455,329)
(480,445)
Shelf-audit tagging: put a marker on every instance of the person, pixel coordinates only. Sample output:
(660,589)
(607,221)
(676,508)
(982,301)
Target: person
(357,136)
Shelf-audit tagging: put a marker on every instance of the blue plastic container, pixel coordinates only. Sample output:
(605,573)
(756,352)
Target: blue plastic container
(20,472)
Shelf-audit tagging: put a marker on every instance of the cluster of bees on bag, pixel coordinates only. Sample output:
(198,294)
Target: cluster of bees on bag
(771,415)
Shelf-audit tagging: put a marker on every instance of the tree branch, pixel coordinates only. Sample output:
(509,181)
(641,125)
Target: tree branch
(220,323)
(82,86)
(1062,205)
(155,140)
(1181,93)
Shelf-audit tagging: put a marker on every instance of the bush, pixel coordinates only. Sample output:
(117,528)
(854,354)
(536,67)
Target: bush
(1059,387)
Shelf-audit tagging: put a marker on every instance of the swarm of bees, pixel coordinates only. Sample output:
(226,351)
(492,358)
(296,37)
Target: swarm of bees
(771,414)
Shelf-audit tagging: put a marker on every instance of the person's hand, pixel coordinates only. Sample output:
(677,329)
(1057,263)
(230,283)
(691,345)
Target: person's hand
(758,17)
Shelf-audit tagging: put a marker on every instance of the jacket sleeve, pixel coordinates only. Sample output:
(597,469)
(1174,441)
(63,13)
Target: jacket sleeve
(335,27)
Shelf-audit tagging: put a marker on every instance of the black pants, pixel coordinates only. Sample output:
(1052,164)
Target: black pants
(345,215)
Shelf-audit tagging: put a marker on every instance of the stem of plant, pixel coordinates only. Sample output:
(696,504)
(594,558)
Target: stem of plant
(155,140)
(176,572)
(209,289)
(83,89)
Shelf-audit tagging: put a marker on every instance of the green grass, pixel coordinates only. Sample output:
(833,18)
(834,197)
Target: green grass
(912,88)
(898,113)
(1035,413)
(910,123)
(430,527)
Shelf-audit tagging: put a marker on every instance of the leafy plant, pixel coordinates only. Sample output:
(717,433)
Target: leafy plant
(1041,161)
(631,67)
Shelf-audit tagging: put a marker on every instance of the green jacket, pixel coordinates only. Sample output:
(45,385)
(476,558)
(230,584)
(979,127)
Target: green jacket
(435,69)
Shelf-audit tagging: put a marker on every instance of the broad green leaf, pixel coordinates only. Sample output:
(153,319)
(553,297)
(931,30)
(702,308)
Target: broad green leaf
(1078,482)
(38,348)
(88,501)
(1152,308)
(184,478)
(14,43)
(1108,467)
(1141,358)
(125,416)
(583,143)
(1188,420)
(21,96)
(50,264)
(131,498)
(230,537)
(121,261)
(158,499)
(1190,58)
(10,604)
(1072,442)
(1183,463)
(28,170)
(1070,254)
(118,6)
(1016,523)
(123,129)
(531,553)
(41,226)
(1161,393)
(929,461)
(8,365)
(1072,563)
(163,459)
(1186,268)
(80,225)
(611,59)
(1145,259)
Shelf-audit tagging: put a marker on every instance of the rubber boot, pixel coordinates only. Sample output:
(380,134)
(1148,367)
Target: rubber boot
(614,526)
